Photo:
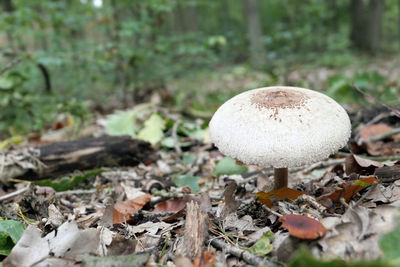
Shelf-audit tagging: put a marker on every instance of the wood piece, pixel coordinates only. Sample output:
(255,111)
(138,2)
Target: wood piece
(58,159)
(240,253)
(388,174)
(196,231)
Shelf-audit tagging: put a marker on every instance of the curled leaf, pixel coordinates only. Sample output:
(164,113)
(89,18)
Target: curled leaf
(171,205)
(123,210)
(347,191)
(280,194)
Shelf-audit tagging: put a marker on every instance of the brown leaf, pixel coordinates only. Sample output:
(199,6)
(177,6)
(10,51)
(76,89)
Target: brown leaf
(349,190)
(124,209)
(207,259)
(374,130)
(175,216)
(280,194)
(171,205)
(302,227)
(229,198)
(358,165)
(378,148)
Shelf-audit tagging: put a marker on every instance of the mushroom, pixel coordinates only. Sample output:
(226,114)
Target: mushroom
(280,126)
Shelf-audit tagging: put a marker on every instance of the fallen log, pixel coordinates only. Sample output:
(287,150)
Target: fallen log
(57,159)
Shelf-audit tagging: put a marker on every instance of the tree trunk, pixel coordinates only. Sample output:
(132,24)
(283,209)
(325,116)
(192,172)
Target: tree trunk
(376,8)
(334,23)
(366,24)
(398,19)
(190,15)
(8,7)
(358,26)
(256,48)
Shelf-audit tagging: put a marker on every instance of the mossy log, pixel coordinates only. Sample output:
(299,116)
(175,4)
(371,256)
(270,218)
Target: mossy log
(51,161)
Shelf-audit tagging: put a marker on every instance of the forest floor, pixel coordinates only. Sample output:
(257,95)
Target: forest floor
(189,205)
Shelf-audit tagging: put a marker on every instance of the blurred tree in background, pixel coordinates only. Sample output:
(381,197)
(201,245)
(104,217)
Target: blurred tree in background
(67,52)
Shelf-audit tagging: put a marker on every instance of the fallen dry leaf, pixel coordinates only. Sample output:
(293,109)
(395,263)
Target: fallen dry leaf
(347,191)
(356,234)
(122,210)
(207,259)
(280,194)
(302,227)
(378,148)
(374,130)
(362,166)
(171,205)
(65,243)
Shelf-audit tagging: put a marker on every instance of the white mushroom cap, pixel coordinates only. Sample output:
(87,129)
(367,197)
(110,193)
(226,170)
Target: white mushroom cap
(280,126)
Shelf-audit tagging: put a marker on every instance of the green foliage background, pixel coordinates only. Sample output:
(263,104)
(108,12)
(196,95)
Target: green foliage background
(121,50)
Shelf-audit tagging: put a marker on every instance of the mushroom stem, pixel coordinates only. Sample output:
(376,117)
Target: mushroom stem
(280,178)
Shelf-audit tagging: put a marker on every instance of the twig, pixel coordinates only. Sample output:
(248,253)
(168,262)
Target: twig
(76,192)
(395,111)
(15,193)
(271,211)
(381,136)
(311,200)
(323,164)
(366,194)
(14,62)
(240,253)
(384,158)
(373,121)
(165,194)
(175,137)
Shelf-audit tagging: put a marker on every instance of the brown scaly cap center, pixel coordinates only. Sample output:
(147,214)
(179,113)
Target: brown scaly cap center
(278,99)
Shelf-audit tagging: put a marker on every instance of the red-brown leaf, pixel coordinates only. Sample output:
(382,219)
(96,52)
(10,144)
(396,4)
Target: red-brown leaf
(280,194)
(123,210)
(171,205)
(302,227)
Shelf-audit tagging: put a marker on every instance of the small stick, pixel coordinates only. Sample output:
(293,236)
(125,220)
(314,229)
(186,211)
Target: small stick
(76,192)
(323,164)
(14,62)
(373,121)
(15,193)
(381,136)
(366,194)
(272,211)
(391,158)
(395,111)
(240,253)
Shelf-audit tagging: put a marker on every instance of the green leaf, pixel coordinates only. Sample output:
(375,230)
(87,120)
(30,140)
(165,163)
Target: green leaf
(188,159)
(228,166)
(122,123)
(69,183)
(6,83)
(168,142)
(10,232)
(389,244)
(263,246)
(153,129)
(17,139)
(188,180)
